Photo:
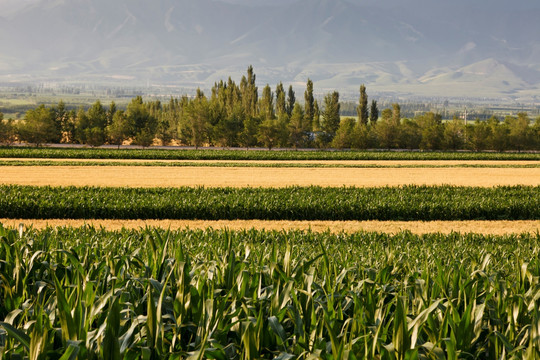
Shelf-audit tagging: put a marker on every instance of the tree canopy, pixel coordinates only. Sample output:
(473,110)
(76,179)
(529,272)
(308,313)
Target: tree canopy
(236,115)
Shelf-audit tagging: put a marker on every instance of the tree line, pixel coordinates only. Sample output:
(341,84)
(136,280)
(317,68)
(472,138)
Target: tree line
(234,115)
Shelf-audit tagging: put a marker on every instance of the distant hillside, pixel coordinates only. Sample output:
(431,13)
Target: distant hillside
(480,48)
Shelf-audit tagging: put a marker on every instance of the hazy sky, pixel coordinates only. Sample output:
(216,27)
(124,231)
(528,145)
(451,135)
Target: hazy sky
(7,6)
(408,45)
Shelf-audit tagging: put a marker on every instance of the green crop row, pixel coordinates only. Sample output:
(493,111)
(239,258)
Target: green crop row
(153,294)
(190,154)
(292,203)
(283,164)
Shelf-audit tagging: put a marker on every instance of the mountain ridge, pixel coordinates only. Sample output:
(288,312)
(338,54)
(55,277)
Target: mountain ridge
(339,44)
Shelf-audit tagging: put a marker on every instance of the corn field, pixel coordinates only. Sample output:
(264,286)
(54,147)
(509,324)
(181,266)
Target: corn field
(88,293)
(262,164)
(292,203)
(207,154)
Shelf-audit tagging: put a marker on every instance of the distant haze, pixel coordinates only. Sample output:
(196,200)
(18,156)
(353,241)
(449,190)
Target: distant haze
(463,48)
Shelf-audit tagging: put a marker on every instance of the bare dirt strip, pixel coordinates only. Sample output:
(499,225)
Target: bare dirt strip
(359,163)
(416,227)
(157,176)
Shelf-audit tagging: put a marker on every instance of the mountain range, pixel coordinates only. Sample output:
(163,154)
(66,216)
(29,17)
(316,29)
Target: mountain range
(463,48)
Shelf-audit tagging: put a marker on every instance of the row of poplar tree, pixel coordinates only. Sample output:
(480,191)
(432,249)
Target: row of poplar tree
(235,115)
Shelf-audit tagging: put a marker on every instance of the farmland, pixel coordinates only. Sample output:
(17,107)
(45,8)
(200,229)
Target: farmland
(270,177)
(291,203)
(494,164)
(287,255)
(217,154)
(251,294)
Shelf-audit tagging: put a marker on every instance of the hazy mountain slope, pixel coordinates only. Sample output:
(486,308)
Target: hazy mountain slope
(414,46)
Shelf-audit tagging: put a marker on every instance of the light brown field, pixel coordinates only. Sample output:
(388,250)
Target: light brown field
(404,163)
(157,176)
(416,227)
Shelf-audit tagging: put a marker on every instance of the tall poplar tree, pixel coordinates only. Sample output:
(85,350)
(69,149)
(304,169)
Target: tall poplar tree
(110,112)
(144,124)
(60,115)
(281,105)
(266,104)
(291,100)
(308,102)
(396,113)
(297,127)
(387,130)
(373,112)
(249,92)
(94,133)
(197,116)
(362,108)
(315,125)
(65,120)
(120,128)
(234,96)
(330,114)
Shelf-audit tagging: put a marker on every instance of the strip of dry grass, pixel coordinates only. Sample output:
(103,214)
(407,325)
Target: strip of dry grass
(156,176)
(416,227)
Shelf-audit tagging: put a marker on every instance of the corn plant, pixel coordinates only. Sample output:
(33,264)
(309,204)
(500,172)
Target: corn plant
(153,294)
(209,154)
(291,203)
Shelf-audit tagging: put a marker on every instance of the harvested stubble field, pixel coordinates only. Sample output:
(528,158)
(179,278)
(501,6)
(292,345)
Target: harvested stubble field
(389,227)
(158,176)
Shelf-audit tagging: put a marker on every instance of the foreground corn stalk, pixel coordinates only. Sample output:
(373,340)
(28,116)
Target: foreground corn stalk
(152,294)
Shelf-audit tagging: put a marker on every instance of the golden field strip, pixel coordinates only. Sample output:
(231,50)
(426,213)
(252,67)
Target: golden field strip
(208,176)
(416,227)
(393,173)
